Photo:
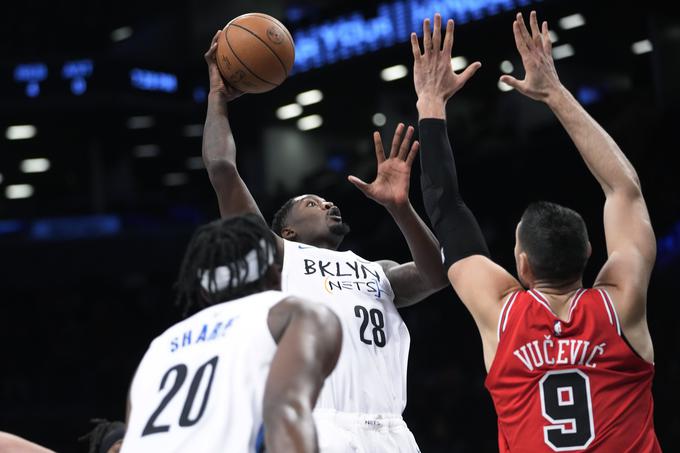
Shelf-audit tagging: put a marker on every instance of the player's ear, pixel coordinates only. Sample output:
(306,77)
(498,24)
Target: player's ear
(589,250)
(523,268)
(288,233)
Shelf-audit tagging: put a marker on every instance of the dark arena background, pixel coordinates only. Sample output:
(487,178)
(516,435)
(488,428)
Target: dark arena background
(102,183)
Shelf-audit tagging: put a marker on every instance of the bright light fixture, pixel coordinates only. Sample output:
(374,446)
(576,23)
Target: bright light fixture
(309,122)
(288,111)
(309,97)
(37,165)
(394,72)
(20,132)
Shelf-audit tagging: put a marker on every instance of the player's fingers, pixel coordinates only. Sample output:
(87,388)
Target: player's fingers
(547,43)
(427,37)
(358,183)
(415,47)
(519,40)
(413,152)
(406,143)
(209,55)
(448,38)
(526,37)
(511,81)
(379,150)
(535,32)
(396,140)
(469,72)
(437,33)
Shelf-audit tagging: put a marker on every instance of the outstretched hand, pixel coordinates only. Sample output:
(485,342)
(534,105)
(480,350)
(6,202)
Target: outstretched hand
(535,49)
(433,76)
(392,181)
(217,83)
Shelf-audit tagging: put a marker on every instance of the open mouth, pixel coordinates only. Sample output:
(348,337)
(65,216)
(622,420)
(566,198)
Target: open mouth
(334,213)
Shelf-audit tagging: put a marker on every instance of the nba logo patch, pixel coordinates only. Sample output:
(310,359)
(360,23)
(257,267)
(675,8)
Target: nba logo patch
(557,328)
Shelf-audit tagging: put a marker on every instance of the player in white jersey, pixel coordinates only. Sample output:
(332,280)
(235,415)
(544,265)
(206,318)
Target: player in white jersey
(361,404)
(217,381)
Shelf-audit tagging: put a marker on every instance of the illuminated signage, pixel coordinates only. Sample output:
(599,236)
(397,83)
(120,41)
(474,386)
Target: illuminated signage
(355,34)
(144,79)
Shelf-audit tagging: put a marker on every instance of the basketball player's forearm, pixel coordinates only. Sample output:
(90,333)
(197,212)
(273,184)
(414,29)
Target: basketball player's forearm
(454,224)
(219,149)
(600,152)
(290,429)
(423,246)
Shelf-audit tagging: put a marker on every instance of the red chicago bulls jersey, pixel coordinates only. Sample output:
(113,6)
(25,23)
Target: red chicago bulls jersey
(573,385)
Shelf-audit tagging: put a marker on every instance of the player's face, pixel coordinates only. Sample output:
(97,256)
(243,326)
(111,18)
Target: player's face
(316,221)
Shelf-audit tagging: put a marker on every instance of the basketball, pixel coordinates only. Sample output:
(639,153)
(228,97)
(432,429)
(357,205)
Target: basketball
(255,53)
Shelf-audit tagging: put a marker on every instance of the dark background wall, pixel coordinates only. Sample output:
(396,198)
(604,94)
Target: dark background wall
(81,296)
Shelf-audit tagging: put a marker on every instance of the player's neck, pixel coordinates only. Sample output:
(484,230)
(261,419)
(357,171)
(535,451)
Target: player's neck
(558,295)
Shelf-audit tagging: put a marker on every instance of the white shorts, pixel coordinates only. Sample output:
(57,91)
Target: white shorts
(345,432)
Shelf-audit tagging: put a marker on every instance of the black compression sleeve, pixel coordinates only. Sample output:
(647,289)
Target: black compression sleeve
(454,224)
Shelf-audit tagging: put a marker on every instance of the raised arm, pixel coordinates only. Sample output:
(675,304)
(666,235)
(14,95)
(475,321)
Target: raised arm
(417,279)
(480,283)
(631,246)
(309,338)
(219,150)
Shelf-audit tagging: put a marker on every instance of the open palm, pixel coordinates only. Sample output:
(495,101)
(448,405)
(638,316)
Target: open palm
(392,181)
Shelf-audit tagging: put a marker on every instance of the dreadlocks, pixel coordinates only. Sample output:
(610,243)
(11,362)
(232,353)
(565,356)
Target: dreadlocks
(281,216)
(220,258)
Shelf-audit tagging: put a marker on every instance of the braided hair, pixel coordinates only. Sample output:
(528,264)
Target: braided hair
(225,244)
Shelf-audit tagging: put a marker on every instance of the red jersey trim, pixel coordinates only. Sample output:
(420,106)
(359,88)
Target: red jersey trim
(540,298)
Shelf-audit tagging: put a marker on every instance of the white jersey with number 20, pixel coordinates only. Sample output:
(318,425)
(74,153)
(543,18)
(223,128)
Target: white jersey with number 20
(200,385)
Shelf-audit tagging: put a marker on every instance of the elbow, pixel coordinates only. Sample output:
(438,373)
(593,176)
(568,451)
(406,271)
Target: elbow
(221,171)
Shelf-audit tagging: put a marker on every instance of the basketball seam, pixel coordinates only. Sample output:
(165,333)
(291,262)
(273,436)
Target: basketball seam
(267,45)
(226,38)
(275,22)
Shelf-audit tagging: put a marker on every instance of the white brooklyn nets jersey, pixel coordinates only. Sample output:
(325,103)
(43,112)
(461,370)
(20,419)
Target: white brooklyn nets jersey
(370,376)
(200,385)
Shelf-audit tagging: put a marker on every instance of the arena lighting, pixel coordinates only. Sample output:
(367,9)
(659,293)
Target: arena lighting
(288,111)
(394,73)
(458,63)
(379,119)
(37,165)
(572,21)
(79,227)
(77,71)
(32,74)
(193,130)
(143,151)
(553,36)
(147,80)
(355,34)
(140,122)
(507,67)
(20,132)
(120,34)
(563,51)
(641,47)
(17,191)
(504,86)
(307,123)
(175,179)
(309,97)
(195,163)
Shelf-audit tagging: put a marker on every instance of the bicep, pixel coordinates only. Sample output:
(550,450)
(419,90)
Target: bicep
(482,285)
(407,284)
(631,251)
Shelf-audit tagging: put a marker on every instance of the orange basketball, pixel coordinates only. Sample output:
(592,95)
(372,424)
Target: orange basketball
(255,53)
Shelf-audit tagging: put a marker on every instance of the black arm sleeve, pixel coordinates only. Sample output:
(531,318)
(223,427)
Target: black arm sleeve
(454,224)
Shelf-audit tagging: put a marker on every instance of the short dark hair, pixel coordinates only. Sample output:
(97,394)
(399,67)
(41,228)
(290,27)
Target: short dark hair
(280,220)
(555,240)
(224,242)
